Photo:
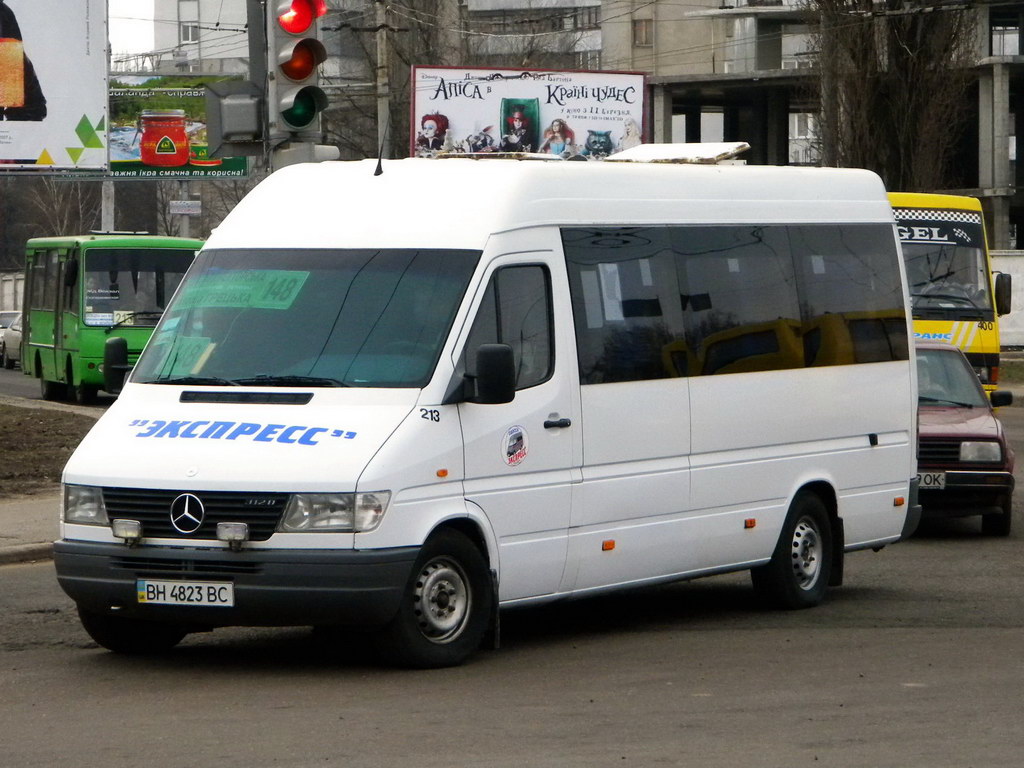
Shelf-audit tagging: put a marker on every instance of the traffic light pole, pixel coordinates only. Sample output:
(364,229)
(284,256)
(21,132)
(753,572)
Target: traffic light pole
(256,23)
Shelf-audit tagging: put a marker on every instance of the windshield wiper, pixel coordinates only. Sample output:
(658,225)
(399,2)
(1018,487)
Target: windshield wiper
(923,298)
(196,380)
(132,316)
(267,380)
(924,399)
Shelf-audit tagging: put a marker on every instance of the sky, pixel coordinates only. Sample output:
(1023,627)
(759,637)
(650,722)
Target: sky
(131,26)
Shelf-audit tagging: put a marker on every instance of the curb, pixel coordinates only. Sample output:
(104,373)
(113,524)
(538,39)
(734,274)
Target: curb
(26,553)
(49,405)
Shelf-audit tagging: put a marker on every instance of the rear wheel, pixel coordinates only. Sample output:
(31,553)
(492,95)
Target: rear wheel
(998,524)
(130,636)
(6,361)
(798,573)
(446,606)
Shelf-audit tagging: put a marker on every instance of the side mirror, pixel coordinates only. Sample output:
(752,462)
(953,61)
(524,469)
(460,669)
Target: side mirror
(495,374)
(1001,397)
(115,364)
(70,273)
(1004,294)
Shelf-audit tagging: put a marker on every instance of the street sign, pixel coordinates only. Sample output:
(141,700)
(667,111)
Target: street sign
(186,207)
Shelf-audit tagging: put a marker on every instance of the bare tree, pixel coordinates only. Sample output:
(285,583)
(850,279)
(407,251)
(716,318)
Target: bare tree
(64,206)
(894,79)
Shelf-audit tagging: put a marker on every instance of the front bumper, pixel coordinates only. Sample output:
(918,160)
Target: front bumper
(272,587)
(968,493)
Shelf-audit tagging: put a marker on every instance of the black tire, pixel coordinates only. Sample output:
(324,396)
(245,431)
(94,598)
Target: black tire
(4,359)
(52,390)
(130,636)
(445,608)
(797,576)
(84,394)
(998,524)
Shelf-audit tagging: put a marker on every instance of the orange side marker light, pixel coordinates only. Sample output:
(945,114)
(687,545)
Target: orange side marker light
(608,545)
(750,522)
(899,501)
(442,473)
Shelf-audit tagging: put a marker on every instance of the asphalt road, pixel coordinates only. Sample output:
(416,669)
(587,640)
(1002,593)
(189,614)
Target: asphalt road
(918,660)
(17,384)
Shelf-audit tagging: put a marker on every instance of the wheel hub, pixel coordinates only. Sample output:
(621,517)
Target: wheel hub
(441,601)
(806,554)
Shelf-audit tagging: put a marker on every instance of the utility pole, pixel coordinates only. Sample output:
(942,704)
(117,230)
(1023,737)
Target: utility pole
(383,81)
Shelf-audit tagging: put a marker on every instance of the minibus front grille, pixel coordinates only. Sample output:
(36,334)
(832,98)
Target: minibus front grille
(142,566)
(260,511)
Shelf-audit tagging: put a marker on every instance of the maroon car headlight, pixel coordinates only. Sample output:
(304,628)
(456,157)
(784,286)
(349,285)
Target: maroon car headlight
(987,452)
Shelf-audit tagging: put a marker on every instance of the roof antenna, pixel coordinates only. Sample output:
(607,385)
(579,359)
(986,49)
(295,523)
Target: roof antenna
(380,152)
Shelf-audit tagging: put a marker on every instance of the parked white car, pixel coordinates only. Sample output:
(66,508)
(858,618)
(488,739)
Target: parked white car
(7,317)
(10,343)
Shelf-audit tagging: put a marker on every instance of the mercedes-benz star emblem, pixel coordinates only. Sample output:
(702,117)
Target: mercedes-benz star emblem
(187,513)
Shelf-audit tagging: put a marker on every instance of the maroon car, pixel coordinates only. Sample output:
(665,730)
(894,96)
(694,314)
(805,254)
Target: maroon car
(964,462)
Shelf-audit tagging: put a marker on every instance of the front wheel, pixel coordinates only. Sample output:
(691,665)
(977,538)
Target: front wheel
(130,636)
(6,361)
(84,394)
(798,573)
(52,390)
(445,608)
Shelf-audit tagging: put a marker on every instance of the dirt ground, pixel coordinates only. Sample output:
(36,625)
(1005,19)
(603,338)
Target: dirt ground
(35,443)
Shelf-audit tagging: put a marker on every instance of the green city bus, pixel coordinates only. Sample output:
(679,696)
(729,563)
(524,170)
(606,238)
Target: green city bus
(81,291)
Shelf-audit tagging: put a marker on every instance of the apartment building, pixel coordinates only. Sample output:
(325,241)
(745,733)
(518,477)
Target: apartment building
(741,70)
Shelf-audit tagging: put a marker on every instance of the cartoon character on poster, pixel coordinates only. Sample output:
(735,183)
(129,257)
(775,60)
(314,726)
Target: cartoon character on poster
(481,141)
(598,145)
(520,120)
(559,139)
(433,132)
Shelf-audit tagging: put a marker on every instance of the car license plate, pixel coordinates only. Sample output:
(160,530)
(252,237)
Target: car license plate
(932,479)
(213,593)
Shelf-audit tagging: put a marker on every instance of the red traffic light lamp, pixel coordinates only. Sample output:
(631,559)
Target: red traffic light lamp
(296,16)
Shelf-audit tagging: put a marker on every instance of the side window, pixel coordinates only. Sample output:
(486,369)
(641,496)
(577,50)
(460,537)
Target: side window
(70,298)
(50,292)
(659,302)
(626,302)
(743,311)
(853,299)
(39,280)
(516,310)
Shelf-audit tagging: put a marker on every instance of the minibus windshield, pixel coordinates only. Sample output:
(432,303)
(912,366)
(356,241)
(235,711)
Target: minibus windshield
(947,280)
(131,286)
(356,318)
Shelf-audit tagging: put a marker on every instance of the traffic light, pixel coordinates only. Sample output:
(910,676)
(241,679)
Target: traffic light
(294,54)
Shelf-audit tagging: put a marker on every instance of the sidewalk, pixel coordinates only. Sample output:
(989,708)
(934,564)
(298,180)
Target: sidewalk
(29,524)
(28,527)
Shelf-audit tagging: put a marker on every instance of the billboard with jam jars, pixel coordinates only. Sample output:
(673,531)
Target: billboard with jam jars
(158,130)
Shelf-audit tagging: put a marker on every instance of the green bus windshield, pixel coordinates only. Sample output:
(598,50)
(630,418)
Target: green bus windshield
(130,286)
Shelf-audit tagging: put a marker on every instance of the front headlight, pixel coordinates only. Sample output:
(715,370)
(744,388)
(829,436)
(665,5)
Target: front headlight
(987,452)
(84,504)
(334,512)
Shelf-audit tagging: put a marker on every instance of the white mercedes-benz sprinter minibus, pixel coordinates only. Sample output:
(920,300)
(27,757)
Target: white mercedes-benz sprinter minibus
(402,401)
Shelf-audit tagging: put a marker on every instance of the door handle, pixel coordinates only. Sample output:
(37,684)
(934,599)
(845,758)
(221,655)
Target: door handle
(557,423)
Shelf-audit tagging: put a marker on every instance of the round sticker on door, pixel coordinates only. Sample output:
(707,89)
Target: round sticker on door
(514,446)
